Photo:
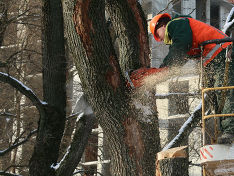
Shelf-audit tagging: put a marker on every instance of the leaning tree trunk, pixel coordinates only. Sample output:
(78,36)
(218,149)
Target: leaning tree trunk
(133,140)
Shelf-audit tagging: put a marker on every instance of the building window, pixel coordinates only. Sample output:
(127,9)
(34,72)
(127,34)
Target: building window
(178,101)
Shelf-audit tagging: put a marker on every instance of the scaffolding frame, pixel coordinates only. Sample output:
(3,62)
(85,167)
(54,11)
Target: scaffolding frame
(205,90)
(204,117)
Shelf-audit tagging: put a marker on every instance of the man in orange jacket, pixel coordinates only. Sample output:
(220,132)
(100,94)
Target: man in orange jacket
(185,35)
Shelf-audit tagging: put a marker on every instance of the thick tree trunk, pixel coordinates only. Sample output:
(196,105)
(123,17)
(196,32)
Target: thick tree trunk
(52,122)
(47,144)
(130,27)
(132,141)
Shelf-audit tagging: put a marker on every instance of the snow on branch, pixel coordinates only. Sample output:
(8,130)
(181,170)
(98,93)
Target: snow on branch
(16,143)
(57,165)
(188,125)
(6,78)
(193,119)
(229,22)
(75,115)
(75,151)
(7,114)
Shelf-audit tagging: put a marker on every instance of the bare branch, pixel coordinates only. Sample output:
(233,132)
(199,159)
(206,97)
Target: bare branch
(192,11)
(83,130)
(229,21)
(187,127)
(6,78)
(8,174)
(15,166)
(85,171)
(171,2)
(12,57)
(17,144)
(30,24)
(15,18)
(4,114)
(18,138)
(73,116)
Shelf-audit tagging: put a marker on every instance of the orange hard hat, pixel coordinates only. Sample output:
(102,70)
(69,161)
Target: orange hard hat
(154,21)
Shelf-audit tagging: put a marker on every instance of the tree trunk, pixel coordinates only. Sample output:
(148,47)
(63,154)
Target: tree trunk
(130,27)
(174,167)
(70,123)
(71,160)
(3,19)
(132,141)
(52,122)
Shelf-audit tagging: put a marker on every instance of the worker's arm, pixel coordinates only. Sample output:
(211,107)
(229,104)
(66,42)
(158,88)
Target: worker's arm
(137,76)
(180,33)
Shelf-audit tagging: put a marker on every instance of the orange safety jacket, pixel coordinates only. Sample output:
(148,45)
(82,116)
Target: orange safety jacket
(203,32)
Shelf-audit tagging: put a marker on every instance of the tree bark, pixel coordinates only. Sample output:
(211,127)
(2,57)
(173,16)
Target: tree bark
(70,36)
(132,142)
(52,122)
(83,130)
(130,28)
(3,20)
(174,167)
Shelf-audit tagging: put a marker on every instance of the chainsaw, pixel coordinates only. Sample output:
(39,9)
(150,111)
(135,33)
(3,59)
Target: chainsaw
(135,78)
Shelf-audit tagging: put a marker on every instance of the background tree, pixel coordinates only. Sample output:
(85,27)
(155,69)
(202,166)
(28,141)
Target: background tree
(52,113)
(52,118)
(19,29)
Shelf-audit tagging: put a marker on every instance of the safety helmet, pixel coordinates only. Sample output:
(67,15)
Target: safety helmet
(154,22)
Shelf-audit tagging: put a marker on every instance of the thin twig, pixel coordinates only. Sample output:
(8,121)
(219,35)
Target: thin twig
(18,143)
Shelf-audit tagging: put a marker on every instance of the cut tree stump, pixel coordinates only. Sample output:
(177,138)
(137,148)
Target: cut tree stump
(172,162)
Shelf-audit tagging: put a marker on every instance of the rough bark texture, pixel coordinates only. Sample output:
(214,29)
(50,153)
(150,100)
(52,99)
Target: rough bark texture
(3,19)
(51,123)
(130,29)
(83,130)
(174,167)
(47,144)
(70,124)
(132,143)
